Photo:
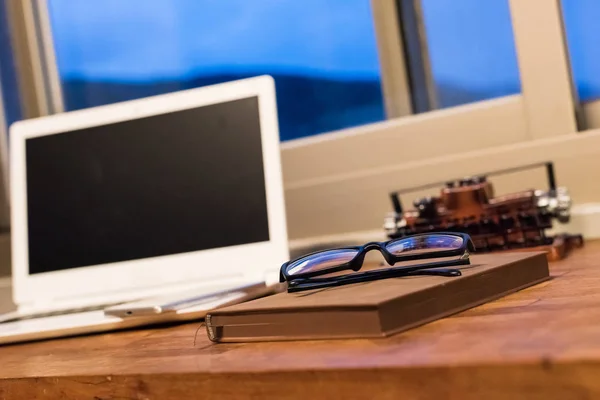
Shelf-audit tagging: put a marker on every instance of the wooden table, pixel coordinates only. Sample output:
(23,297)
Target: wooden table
(540,343)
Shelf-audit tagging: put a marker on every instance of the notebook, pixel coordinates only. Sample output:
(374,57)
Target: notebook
(379,308)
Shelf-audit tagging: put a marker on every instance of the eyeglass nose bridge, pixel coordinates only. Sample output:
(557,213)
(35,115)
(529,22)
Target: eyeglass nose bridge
(370,247)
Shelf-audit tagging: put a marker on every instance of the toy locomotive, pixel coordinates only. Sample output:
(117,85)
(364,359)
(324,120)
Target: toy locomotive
(516,221)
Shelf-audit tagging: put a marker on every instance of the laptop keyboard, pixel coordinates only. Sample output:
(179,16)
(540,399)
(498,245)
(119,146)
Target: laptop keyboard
(194,296)
(43,314)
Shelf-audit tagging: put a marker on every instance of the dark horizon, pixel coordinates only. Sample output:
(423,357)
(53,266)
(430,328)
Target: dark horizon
(306,105)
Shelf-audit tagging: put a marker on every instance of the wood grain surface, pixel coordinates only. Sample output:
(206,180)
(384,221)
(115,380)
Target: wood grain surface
(540,343)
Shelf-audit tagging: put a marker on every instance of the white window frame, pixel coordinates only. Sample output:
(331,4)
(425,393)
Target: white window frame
(394,78)
(338,182)
(39,82)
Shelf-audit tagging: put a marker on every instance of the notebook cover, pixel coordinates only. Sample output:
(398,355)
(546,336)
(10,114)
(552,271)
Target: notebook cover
(378,308)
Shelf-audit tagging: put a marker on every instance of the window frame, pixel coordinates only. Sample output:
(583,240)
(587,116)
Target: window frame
(395,83)
(589,110)
(33,46)
(416,53)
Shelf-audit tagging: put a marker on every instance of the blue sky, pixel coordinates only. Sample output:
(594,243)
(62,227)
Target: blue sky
(153,39)
(470,41)
(582,18)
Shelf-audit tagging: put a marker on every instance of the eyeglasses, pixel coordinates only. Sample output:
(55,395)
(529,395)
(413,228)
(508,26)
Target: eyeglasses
(453,248)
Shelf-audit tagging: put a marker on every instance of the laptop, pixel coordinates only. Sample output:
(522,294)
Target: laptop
(171,194)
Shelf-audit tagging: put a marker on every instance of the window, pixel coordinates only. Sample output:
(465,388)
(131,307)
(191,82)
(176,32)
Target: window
(471,50)
(324,57)
(581,23)
(322,54)
(8,80)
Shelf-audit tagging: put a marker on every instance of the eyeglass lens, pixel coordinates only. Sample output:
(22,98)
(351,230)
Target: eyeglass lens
(321,261)
(424,244)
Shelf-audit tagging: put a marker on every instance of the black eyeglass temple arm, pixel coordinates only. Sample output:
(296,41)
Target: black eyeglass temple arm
(424,269)
(310,284)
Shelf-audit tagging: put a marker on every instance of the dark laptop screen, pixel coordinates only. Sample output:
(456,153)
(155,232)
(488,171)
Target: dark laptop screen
(179,182)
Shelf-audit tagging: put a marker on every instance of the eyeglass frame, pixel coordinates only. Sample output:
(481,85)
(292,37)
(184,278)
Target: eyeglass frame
(298,282)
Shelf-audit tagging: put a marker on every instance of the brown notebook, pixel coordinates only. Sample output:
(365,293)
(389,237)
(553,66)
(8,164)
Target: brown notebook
(377,308)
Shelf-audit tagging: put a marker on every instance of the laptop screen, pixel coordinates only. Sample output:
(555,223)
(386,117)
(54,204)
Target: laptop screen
(180,182)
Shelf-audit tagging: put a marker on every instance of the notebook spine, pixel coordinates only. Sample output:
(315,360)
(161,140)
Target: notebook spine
(210,329)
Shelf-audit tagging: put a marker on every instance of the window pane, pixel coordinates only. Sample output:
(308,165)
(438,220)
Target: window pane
(471,50)
(8,79)
(322,54)
(581,24)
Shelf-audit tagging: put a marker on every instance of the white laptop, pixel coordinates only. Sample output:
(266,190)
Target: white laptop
(172,194)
